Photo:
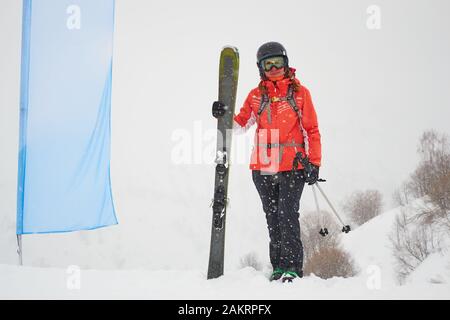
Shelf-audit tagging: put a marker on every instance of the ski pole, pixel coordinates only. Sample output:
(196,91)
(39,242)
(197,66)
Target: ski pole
(323,231)
(345,228)
(307,167)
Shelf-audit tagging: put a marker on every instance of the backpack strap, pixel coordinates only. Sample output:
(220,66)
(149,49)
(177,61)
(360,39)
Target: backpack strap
(293,103)
(291,100)
(265,102)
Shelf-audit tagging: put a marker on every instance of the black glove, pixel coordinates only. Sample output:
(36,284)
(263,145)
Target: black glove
(313,175)
(218,109)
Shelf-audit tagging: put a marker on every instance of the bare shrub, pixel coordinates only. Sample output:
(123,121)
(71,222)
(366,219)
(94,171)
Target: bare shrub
(362,206)
(418,234)
(323,255)
(439,192)
(432,176)
(250,260)
(330,262)
(402,196)
(412,242)
(431,179)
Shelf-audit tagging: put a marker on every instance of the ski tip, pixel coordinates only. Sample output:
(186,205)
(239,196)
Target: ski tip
(230,47)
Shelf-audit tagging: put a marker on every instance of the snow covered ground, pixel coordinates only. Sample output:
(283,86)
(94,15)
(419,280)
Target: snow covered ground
(369,246)
(43,283)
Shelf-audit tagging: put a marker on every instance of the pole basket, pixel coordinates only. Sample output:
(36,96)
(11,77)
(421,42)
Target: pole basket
(323,232)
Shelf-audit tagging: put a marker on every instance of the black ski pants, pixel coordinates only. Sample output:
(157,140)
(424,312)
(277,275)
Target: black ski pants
(280,195)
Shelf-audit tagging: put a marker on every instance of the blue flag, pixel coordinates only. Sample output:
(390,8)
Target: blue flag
(65,104)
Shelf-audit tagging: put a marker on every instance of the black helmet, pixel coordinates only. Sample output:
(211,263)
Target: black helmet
(271,49)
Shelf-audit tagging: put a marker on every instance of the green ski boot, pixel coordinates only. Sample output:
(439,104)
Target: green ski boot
(289,276)
(276,274)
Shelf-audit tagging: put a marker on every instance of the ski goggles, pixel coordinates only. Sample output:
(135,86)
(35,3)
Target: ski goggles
(277,62)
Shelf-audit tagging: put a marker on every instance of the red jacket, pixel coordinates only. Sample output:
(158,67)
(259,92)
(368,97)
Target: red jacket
(278,134)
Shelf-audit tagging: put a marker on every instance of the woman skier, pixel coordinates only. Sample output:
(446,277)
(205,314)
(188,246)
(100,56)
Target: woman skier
(286,124)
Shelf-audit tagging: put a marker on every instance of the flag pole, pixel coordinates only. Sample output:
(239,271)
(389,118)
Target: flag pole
(19,248)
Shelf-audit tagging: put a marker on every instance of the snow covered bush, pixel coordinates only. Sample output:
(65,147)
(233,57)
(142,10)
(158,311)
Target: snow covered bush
(413,240)
(419,231)
(251,260)
(323,256)
(432,175)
